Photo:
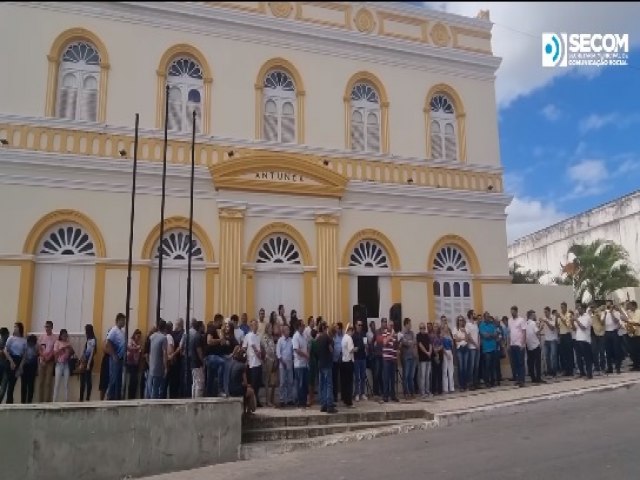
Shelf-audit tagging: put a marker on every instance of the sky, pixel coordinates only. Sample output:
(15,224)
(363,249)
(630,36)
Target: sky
(569,137)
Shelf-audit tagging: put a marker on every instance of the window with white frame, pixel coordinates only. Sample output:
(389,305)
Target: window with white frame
(365,118)
(452,283)
(186,86)
(279,107)
(78,80)
(444,144)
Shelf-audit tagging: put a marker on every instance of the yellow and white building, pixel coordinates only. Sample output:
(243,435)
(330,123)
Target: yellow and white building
(347,152)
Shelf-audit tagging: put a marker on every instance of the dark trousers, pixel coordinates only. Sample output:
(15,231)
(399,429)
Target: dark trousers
(534,364)
(335,378)
(301,379)
(436,377)
(255,379)
(389,379)
(585,359)
(518,363)
(599,357)
(579,358)
(86,384)
(28,382)
(132,388)
(346,379)
(489,368)
(566,354)
(13,379)
(377,375)
(612,347)
(496,363)
(634,347)
(173,378)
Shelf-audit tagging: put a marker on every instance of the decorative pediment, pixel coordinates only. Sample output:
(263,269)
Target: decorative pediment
(278,173)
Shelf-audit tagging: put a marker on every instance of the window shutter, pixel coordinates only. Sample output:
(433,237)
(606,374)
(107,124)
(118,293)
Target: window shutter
(193,103)
(373,133)
(357,131)
(90,106)
(436,141)
(450,142)
(288,123)
(174,120)
(270,128)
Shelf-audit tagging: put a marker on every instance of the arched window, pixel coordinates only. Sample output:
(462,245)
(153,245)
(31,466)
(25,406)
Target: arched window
(79,77)
(365,118)
(279,107)
(279,250)
(444,144)
(175,246)
(186,88)
(452,284)
(369,254)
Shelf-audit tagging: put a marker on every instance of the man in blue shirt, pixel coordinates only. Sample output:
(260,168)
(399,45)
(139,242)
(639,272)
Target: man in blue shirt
(115,347)
(489,337)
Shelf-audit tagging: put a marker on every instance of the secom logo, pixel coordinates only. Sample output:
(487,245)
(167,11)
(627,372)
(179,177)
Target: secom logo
(554,50)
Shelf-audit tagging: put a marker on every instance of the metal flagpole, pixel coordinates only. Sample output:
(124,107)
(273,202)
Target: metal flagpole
(191,242)
(162,201)
(129,265)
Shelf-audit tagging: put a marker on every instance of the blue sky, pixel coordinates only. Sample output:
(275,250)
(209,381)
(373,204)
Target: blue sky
(569,137)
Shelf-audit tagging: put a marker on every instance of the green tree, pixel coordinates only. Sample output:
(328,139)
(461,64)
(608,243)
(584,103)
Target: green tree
(599,268)
(525,277)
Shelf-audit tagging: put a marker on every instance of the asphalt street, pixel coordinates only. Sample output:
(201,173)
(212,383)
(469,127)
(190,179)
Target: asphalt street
(592,437)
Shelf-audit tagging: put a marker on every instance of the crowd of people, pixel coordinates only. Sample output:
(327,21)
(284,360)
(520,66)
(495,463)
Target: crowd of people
(310,361)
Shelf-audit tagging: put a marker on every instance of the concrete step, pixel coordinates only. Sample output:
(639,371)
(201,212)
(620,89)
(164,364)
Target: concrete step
(261,450)
(302,418)
(303,432)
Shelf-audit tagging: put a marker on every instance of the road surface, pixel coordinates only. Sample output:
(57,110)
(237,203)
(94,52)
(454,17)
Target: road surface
(592,437)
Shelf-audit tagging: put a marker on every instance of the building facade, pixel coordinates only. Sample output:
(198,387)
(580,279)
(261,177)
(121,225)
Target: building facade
(616,221)
(346,153)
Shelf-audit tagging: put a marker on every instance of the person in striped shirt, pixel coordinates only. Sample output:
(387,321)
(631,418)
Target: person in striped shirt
(390,346)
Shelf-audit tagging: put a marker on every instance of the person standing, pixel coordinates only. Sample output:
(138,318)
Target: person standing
(460,338)
(489,343)
(631,317)
(251,344)
(518,337)
(62,351)
(15,350)
(378,384)
(346,368)
(176,365)
(424,358)
(46,364)
(597,341)
(88,355)
(301,364)
(133,364)
(534,354)
(158,360)
(284,353)
(270,367)
(549,323)
(566,345)
(611,319)
(409,354)
(115,347)
(28,370)
(390,361)
(324,344)
(583,338)
(213,360)
(436,358)
(360,360)
(447,360)
(337,359)
(473,341)
(4,363)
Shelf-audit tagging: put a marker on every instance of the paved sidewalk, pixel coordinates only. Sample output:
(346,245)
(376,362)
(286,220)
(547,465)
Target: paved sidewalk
(448,409)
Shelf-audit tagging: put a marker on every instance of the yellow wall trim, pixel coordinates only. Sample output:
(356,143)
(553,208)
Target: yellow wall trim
(368,77)
(174,223)
(231,175)
(54,58)
(170,55)
(280,64)
(62,216)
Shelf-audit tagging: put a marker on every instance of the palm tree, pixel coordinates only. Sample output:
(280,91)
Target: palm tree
(522,277)
(599,268)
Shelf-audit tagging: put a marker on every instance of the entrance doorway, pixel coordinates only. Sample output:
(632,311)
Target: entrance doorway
(369,295)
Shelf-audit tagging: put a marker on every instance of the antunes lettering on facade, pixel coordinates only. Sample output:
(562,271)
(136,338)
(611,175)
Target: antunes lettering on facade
(280,176)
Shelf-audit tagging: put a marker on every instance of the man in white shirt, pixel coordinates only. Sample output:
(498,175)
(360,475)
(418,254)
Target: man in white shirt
(550,331)
(311,324)
(611,339)
(346,367)
(534,352)
(517,341)
(253,347)
(583,337)
(301,365)
(474,349)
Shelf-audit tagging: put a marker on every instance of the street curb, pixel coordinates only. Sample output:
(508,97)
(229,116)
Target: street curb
(453,417)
